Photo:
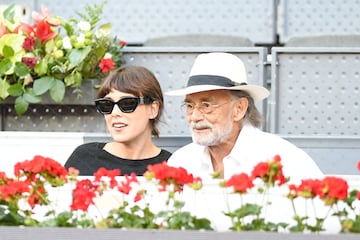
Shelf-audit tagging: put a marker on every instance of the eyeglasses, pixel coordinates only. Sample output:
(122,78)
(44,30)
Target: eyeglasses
(203,107)
(126,104)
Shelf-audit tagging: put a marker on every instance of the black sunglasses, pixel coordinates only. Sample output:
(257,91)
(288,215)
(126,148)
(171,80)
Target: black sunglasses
(126,104)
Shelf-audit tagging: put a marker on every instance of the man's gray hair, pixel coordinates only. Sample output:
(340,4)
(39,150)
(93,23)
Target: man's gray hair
(252,116)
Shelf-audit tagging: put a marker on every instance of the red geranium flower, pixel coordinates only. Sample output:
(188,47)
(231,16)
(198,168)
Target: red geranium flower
(39,166)
(111,174)
(260,170)
(333,189)
(167,175)
(270,172)
(83,195)
(37,196)
(240,182)
(124,186)
(13,189)
(308,188)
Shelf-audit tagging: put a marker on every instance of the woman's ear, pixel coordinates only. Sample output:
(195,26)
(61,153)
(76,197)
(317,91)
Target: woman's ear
(154,110)
(240,109)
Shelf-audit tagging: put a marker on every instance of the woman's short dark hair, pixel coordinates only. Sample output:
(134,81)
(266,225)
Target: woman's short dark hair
(138,81)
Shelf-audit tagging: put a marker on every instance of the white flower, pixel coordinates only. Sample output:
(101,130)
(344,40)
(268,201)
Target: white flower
(107,55)
(84,26)
(81,38)
(67,43)
(101,33)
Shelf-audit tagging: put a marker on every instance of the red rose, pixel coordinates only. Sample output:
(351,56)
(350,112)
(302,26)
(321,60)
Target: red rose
(29,43)
(122,43)
(106,64)
(30,62)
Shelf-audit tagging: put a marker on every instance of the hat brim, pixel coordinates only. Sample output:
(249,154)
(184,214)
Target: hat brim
(258,93)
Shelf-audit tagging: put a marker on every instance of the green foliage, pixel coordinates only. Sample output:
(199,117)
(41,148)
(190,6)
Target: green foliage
(240,219)
(32,65)
(175,218)
(67,219)
(130,217)
(9,216)
(350,224)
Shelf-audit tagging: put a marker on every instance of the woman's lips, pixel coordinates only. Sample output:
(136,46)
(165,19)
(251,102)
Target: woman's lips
(119,125)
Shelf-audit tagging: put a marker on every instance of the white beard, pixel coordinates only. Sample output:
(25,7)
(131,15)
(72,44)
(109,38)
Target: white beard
(215,137)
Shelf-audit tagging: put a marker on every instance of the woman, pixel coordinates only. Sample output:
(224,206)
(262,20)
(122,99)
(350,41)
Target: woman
(132,103)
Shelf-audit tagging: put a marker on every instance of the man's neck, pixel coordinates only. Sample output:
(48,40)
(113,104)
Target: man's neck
(218,153)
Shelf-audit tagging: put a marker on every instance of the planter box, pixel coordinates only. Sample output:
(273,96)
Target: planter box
(210,202)
(86,97)
(74,114)
(23,233)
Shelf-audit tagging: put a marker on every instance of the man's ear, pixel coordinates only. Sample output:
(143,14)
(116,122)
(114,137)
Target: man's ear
(154,110)
(240,109)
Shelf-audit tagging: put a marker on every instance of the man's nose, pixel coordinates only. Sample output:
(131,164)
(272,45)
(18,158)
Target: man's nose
(196,114)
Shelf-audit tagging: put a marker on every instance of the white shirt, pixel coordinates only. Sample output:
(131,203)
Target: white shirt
(252,147)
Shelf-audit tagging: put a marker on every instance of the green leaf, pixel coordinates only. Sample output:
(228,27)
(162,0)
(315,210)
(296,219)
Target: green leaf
(49,46)
(9,13)
(247,210)
(13,41)
(31,98)
(21,69)
(42,85)
(356,225)
(78,55)
(11,46)
(68,28)
(4,87)
(41,67)
(105,29)
(69,80)
(15,90)
(8,51)
(5,66)
(57,92)
(63,219)
(21,105)
(78,79)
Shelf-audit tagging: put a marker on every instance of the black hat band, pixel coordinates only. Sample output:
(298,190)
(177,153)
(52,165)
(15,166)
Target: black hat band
(212,80)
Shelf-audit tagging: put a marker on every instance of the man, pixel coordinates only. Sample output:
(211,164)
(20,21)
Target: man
(224,122)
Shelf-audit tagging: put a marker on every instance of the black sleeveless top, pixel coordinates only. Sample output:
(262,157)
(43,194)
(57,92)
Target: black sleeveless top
(89,157)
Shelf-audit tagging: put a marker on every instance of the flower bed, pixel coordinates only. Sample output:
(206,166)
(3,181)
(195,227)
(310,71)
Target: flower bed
(44,194)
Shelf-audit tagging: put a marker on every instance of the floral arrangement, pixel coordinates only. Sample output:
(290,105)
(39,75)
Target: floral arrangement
(23,195)
(53,54)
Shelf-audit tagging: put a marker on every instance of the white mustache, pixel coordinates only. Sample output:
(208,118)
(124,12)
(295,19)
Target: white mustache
(200,125)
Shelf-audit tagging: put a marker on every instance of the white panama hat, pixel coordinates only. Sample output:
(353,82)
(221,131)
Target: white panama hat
(219,70)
